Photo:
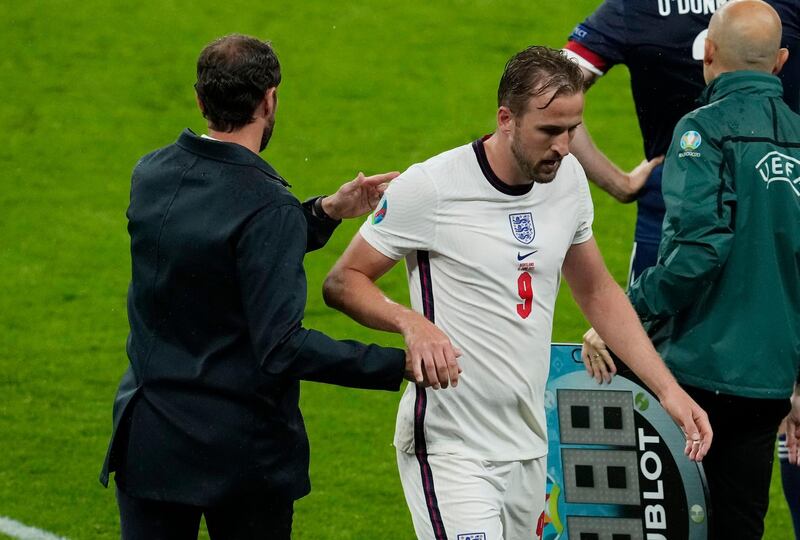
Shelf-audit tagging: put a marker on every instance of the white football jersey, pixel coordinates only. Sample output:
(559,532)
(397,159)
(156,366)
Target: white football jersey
(484,263)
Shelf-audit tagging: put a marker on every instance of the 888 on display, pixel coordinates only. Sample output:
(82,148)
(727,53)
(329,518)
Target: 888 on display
(616,468)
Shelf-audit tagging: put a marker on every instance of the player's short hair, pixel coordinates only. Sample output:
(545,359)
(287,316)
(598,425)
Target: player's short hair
(536,71)
(233,73)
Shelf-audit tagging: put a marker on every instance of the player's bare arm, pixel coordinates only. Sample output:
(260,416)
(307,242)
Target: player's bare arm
(607,308)
(350,287)
(601,170)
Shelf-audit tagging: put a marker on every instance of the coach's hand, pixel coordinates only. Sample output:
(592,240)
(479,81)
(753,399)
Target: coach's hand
(691,418)
(431,358)
(596,358)
(357,197)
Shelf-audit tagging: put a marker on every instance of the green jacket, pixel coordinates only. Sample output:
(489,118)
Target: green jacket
(722,304)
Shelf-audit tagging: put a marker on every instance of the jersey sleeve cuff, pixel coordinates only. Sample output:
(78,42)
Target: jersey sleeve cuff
(583,236)
(374,239)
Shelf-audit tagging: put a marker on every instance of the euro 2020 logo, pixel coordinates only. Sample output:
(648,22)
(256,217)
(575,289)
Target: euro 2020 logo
(691,140)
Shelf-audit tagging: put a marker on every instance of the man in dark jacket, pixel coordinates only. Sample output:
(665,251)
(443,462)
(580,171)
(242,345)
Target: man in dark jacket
(722,304)
(206,420)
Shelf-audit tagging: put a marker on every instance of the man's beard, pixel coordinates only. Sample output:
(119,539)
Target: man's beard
(267,134)
(528,168)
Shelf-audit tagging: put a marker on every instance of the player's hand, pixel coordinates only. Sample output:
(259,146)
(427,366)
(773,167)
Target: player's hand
(431,358)
(358,196)
(596,358)
(793,429)
(638,177)
(692,419)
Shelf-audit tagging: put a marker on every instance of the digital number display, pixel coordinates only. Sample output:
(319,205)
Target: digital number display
(601,476)
(596,417)
(591,528)
(615,466)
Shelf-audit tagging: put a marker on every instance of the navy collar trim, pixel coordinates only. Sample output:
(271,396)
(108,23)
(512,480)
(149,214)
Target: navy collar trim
(227,152)
(494,180)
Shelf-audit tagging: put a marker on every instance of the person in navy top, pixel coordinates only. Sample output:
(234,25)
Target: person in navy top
(661,43)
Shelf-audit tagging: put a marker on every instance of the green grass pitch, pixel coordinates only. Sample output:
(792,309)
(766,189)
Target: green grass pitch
(88,87)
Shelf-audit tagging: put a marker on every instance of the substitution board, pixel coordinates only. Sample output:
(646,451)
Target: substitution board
(616,468)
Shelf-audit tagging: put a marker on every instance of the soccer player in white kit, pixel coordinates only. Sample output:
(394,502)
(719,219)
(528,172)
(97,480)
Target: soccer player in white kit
(486,231)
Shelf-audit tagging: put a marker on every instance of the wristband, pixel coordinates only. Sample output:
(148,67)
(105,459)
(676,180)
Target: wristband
(319,211)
